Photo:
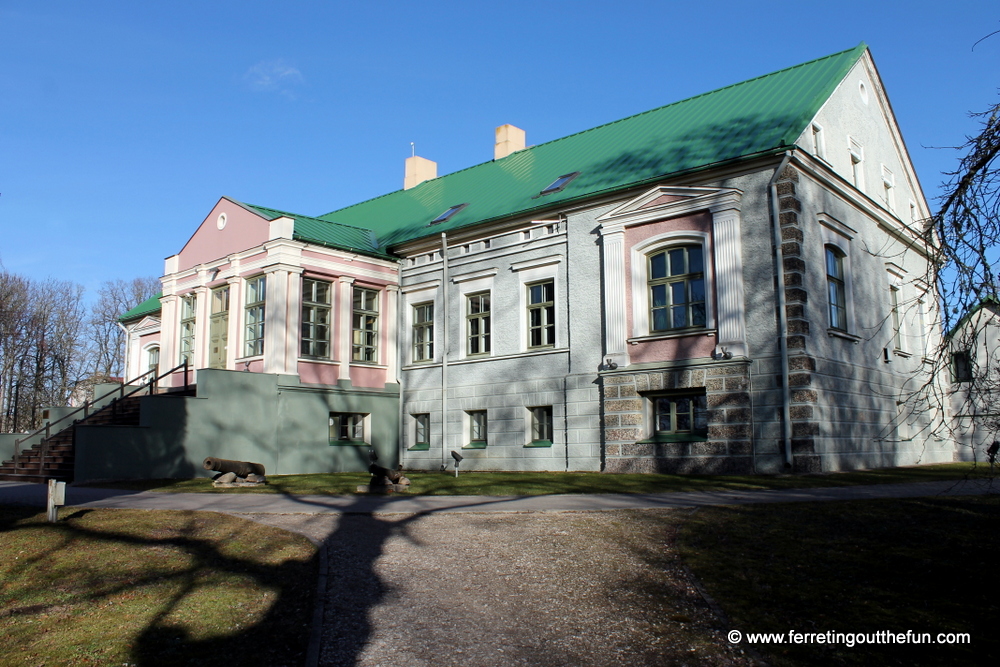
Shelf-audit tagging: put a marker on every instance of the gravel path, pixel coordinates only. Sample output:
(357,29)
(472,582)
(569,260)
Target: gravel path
(570,588)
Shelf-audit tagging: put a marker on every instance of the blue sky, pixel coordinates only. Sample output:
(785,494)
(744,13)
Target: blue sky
(122,123)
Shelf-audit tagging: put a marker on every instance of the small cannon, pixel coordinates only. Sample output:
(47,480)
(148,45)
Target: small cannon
(239,468)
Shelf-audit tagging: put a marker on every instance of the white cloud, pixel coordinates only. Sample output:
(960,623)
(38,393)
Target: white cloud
(273,76)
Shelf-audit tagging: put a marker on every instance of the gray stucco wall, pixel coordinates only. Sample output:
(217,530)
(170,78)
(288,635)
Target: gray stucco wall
(268,419)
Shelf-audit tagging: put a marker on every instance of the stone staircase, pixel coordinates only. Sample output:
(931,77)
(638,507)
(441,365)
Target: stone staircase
(53,457)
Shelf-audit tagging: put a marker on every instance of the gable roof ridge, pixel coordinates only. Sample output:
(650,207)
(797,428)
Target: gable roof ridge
(859,49)
(304,217)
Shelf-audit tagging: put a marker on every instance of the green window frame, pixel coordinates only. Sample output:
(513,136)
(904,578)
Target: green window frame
(365,326)
(189,319)
(316,317)
(676,288)
(541,425)
(255,311)
(541,314)
(477,326)
(421,431)
(836,288)
(478,429)
(680,417)
(423,332)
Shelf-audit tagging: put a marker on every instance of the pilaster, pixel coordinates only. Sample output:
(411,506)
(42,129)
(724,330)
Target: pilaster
(344,311)
(615,332)
(731,315)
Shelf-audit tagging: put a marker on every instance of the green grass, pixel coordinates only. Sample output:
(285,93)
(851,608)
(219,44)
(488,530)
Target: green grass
(545,483)
(124,587)
(926,565)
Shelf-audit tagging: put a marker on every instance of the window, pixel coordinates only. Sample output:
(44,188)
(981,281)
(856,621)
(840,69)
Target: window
(541,314)
(189,305)
(541,425)
(679,417)
(448,214)
(836,290)
(347,428)
(897,342)
(477,428)
(218,329)
(316,298)
(817,137)
(888,188)
(857,152)
(559,183)
(478,323)
(423,332)
(422,431)
(676,288)
(255,309)
(365,325)
(153,361)
(961,366)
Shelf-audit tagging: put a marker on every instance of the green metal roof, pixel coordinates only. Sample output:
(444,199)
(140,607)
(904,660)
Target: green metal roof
(326,232)
(147,307)
(760,116)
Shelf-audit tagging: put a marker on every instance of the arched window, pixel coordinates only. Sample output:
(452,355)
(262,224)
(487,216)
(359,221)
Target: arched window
(676,288)
(153,359)
(836,291)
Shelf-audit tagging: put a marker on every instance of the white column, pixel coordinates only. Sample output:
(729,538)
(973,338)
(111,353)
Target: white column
(169,354)
(202,318)
(729,281)
(234,341)
(392,332)
(293,322)
(275,320)
(616,330)
(345,311)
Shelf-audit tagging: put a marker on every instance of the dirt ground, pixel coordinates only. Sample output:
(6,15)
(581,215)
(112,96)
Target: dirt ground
(546,589)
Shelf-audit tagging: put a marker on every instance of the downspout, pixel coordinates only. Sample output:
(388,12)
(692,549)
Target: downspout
(400,350)
(786,392)
(569,351)
(444,349)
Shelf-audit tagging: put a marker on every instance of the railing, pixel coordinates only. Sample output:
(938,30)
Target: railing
(85,408)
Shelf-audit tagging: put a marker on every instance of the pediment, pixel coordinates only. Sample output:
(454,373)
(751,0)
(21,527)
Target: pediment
(670,201)
(146,324)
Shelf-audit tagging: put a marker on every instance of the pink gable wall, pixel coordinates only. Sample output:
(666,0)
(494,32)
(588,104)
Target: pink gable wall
(684,347)
(243,230)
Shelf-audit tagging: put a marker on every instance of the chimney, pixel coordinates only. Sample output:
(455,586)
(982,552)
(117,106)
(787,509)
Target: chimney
(418,170)
(509,140)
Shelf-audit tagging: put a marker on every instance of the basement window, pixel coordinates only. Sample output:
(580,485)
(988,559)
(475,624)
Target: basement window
(448,214)
(559,183)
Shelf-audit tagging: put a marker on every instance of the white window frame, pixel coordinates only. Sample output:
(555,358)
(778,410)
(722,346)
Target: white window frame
(889,188)
(530,275)
(379,304)
(530,426)
(366,430)
(640,281)
(248,306)
(428,326)
(188,335)
(413,297)
(467,419)
(316,307)
(469,284)
(897,313)
(840,238)
(857,163)
(819,141)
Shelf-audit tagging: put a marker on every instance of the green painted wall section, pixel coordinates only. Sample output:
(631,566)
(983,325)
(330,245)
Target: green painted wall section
(269,419)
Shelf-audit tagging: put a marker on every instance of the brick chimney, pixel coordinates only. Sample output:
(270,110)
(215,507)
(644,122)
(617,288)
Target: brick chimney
(509,140)
(418,170)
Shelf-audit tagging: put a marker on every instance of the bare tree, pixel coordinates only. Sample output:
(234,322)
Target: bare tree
(107,339)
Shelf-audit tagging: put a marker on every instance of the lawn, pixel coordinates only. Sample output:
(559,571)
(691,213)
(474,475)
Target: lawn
(925,565)
(127,587)
(545,483)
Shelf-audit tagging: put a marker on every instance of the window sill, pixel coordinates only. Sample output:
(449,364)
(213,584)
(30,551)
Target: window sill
(475,445)
(837,333)
(539,443)
(677,437)
(901,353)
(368,364)
(672,334)
(420,447)
(348,443)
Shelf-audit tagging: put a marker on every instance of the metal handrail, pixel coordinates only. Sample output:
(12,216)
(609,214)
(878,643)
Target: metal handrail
(87,404)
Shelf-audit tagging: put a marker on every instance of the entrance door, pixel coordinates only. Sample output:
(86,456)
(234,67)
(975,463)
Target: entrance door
(218,335)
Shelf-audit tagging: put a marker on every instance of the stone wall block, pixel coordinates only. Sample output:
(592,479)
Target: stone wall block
(613,450)
(716,371)
(738,415)
(631,419)
(807,464)
(796,295)
(789,204)
(802,364)
(795,310)
(788,218)
(790,173)
(622,434)
(803,446)
(624,405)
(731,431)
(611,392)
(655,381)
(801,411)
(791,249)
(642,382)
(737,383)
(802,429)
(698,378)
(627,390)
(619,379)
(798,327)
(708,449)
(794,264)
(740,447)
(786,188)
(612,420)
(799,379)
(793,279)
(638,449)
(715,384)
(735,399)
(797,342)
(804,396)
(791,234)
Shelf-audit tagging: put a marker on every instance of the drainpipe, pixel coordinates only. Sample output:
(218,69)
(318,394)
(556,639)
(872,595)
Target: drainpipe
(444,350)
(400,349)
(786,393)
(564,221)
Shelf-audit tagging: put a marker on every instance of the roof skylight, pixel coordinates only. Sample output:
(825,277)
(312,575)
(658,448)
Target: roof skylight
(559,183)
(447,214)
